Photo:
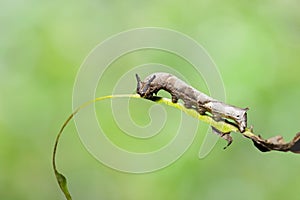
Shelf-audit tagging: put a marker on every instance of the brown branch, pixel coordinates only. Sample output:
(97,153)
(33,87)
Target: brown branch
(276,143)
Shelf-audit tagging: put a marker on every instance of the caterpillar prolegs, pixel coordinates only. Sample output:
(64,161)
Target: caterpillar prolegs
(193,99)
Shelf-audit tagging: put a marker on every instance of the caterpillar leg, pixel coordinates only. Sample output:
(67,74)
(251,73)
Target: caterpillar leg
(188,104)
(225,136)
(201,110)
(174,99)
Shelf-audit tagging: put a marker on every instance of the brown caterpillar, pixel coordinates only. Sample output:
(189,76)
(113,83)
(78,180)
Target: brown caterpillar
(192,98)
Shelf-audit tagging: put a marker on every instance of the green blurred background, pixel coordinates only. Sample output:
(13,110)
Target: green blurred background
(255,44)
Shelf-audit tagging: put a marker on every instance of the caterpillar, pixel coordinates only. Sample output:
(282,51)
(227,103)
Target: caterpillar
(193,99)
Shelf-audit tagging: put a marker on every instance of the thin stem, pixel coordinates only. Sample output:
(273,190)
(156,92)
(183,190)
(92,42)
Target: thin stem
(62,182)
(275,143)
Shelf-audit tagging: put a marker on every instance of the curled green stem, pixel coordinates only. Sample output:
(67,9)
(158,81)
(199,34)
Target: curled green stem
(275,143)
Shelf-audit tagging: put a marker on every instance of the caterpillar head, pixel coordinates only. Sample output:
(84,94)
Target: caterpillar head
(144,87)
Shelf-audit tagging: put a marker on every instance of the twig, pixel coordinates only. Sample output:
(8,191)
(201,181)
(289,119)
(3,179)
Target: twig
(275,143)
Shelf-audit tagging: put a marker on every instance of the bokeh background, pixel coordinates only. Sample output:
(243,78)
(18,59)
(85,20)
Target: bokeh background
(255,45)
